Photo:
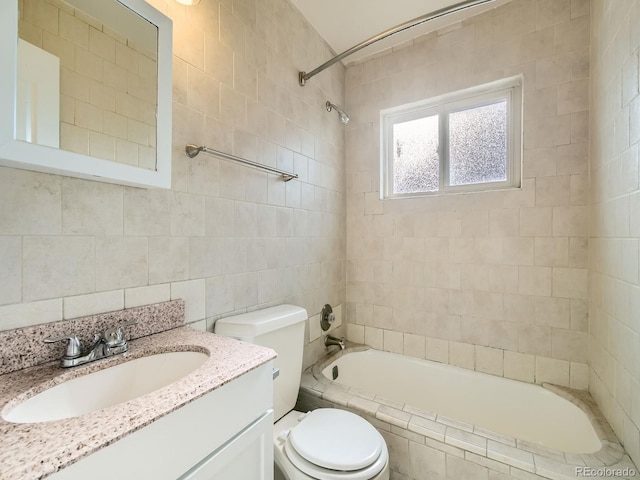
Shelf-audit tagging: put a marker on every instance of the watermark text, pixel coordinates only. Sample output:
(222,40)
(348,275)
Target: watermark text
(600,472)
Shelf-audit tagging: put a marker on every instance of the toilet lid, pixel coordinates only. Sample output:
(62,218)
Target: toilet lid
(336,440)
(314,471)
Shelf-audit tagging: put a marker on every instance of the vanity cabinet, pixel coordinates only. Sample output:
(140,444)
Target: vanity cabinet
(249,455)
(225,434)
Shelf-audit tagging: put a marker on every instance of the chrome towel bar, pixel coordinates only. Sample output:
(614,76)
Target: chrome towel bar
(193,150)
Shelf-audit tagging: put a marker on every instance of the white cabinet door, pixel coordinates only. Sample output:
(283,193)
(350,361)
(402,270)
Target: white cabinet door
(248,456)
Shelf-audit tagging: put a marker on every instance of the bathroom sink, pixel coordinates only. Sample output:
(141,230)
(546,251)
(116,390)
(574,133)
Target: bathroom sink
(105,388)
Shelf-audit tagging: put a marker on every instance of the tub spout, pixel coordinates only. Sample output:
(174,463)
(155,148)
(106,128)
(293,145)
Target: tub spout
(330,340)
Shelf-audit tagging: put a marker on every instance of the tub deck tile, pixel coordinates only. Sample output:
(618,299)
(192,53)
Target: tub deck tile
(467,427)
(607,455)
(540,450)
(319,388)
(393,416)
(553,469)
(310,401)
(361,393)
(614,450)
(510,455)
(420,413)
(308,381)
(389,403)
(601,427)
(574,459)
(339,386)
(591,460)
(465,440)
(337,396)
(498,437)
(427,427)
(362,404)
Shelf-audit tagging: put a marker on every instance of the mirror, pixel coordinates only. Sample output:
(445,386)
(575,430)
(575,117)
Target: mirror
(90,89)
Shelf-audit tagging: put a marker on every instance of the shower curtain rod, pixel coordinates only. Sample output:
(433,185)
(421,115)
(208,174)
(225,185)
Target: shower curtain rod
(193,150)
(304,76)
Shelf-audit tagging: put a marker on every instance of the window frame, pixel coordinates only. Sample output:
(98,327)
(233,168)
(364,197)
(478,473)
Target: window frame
(509,89)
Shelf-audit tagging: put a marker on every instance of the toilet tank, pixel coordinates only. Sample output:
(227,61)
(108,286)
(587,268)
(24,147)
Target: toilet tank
(282,329)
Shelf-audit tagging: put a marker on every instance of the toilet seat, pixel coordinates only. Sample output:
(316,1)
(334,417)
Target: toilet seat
(336,439)
(332,444)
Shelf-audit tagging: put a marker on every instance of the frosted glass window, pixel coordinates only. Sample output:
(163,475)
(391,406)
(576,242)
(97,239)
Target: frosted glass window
(465,141)
(416,165)
(478,145)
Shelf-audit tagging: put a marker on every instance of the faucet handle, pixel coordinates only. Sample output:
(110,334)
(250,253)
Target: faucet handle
(328,317)
(129,323)
(73,347)
(114,336)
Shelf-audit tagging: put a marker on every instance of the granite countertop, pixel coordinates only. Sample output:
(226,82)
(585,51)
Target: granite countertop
(33,451)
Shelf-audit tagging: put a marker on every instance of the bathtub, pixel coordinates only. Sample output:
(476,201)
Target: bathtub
(494,423)
(508,407)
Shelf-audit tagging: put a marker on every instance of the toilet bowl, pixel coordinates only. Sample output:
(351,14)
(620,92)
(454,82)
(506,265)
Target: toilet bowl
(324,444)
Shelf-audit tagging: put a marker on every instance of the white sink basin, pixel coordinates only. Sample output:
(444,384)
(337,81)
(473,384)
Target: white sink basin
(107,387)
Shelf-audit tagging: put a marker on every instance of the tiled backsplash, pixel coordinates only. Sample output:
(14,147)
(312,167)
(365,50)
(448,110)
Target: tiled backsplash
(24,347)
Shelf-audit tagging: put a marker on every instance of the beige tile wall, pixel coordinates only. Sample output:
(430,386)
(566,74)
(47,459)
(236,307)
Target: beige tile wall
(494,281)
(614,296)
(107,83)
(225,238)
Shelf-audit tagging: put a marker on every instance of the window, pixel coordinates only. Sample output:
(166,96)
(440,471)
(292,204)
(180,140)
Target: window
(464,141)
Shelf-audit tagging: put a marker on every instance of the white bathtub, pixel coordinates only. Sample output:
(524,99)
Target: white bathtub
(520,410)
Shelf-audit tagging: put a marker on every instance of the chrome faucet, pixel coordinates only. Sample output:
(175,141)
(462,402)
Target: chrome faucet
(111,342)
(330,340)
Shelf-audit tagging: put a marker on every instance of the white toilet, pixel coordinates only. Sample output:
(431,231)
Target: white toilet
(325,444)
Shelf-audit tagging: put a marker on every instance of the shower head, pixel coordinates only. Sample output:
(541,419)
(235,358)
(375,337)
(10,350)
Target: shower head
(344,118)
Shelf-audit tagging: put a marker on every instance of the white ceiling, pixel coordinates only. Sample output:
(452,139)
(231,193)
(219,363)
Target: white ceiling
(345,23)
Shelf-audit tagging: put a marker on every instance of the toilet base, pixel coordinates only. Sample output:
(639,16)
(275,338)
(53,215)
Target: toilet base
(277,473)
(283,468)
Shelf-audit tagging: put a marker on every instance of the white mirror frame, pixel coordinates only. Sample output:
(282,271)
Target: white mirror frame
(20,154)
